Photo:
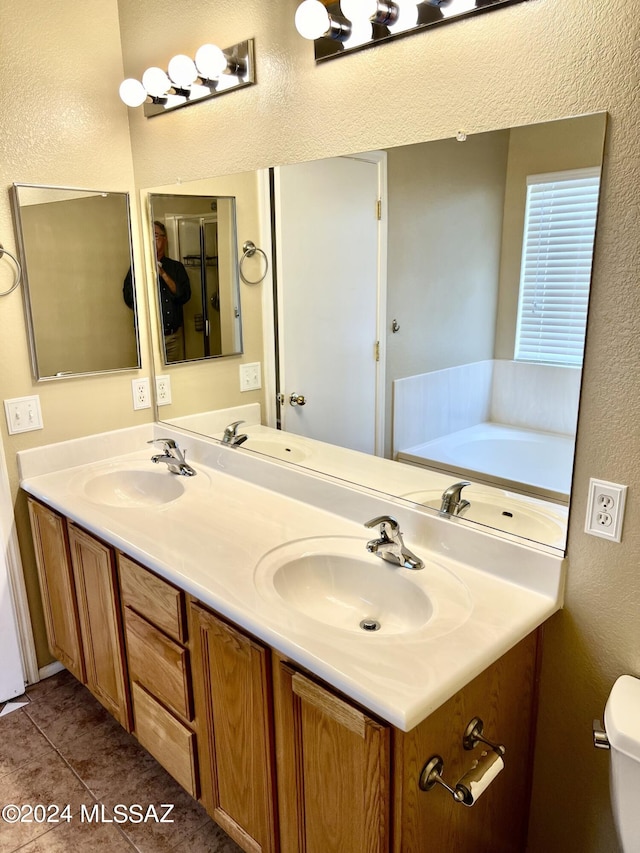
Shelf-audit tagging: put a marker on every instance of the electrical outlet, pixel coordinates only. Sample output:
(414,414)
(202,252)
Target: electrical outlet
(141,393)
(605,509)
(250,377)
(23,414)
(163,390)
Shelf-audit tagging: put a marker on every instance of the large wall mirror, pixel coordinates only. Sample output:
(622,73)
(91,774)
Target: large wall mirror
(76,252)
(198,289)
(450,320)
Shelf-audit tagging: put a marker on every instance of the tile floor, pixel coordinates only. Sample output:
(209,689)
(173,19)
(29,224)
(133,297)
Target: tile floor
(61,747)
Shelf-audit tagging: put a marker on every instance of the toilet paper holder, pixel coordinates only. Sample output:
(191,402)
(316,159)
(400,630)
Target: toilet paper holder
(480,775)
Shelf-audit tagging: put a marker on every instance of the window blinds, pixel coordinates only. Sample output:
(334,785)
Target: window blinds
(559,231)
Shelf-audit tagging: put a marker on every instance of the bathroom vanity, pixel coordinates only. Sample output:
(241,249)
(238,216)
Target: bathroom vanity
(296,731)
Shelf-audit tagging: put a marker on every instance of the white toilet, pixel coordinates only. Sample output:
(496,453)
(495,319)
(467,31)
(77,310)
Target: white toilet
(622,724)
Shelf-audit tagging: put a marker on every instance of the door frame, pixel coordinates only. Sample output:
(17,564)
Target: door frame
(379,159)
(11,564)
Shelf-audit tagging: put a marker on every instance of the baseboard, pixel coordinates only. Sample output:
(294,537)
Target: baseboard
(50,669)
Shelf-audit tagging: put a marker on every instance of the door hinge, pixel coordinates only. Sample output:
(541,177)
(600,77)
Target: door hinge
(376,351)
(379,209)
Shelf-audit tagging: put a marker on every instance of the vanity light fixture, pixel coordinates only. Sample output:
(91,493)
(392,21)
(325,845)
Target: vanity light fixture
(187,81)
(338,27)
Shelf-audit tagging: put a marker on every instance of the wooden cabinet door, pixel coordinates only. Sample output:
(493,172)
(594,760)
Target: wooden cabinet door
(57,587)
(503,696)
(100,622)
(334,770)
(231,679)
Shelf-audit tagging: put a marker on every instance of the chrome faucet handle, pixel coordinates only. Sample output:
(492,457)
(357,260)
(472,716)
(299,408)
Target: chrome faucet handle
(231,434)
(390,546)
(384,521)
(166,443)
(452,502)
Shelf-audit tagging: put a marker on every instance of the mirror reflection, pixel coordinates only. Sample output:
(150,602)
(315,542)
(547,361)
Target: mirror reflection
(198,293)
(457,318)
(76,249)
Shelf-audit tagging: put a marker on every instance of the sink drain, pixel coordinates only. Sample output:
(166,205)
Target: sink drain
(370,625)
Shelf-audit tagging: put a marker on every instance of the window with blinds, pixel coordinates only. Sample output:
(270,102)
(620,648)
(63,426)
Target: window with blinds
(557,251)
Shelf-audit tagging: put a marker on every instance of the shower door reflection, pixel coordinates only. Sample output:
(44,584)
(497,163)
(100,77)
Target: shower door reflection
(195,239)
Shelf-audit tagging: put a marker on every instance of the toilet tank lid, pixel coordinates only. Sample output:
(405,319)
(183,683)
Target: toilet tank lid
(622,716)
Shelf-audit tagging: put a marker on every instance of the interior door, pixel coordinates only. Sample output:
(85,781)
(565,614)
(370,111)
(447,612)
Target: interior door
(330,293)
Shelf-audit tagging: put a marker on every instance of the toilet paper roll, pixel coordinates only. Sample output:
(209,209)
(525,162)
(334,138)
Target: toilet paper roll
(476,781)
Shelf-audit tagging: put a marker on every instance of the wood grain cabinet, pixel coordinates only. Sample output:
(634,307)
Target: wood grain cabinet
(280,760)
(334,770)
(159,671)
(100,621)
(49,531)
(348,783)
(232,681)
(81,605)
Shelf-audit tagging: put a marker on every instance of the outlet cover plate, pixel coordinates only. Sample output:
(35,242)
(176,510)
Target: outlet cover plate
(23,414)
(605,509)
(163,390)
(141,393)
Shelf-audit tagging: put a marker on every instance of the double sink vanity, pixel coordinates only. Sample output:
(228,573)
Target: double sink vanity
(291,680)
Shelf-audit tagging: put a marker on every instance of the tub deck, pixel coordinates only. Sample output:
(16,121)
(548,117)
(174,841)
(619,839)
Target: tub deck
(538,463)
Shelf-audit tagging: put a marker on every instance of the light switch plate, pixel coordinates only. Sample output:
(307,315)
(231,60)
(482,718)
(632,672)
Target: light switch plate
(250,376)
(23,414)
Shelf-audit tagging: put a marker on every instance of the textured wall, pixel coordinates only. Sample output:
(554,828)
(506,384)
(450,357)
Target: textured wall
(61,126)
(532,62)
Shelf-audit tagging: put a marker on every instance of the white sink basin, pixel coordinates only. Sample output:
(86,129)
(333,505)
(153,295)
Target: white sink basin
(134,488)
(333,580)
(504,513)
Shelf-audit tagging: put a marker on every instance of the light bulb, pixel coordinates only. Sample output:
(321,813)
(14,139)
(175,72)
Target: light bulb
(156,82)
(361,32)
(312,19)
(407,16)
(182,70)
(358,10)
(210,61)
(132,92)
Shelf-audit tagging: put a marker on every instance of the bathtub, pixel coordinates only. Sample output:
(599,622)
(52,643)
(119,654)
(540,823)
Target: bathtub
(538,463)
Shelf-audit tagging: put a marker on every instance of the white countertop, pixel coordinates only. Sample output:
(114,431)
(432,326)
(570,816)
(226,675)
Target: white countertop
(239,507)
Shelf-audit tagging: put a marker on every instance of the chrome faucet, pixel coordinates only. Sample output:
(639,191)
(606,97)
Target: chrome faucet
(390,546)
(172,456)
(452,501)
(231,434)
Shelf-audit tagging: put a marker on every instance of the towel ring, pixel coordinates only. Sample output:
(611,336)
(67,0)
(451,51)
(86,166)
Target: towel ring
(4,251)
(248,251)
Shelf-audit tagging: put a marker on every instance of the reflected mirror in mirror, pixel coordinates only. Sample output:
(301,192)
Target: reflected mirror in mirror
(458,318)
(198,290)
(76,250)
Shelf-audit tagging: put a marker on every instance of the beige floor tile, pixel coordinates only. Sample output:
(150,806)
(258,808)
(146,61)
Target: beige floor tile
(45,780)
(21,742)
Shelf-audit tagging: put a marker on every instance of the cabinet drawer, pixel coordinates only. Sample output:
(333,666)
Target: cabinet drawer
(170,742)
(160,602)
(158,663)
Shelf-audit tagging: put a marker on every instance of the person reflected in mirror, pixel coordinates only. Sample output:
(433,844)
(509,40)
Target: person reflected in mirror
(174,291)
